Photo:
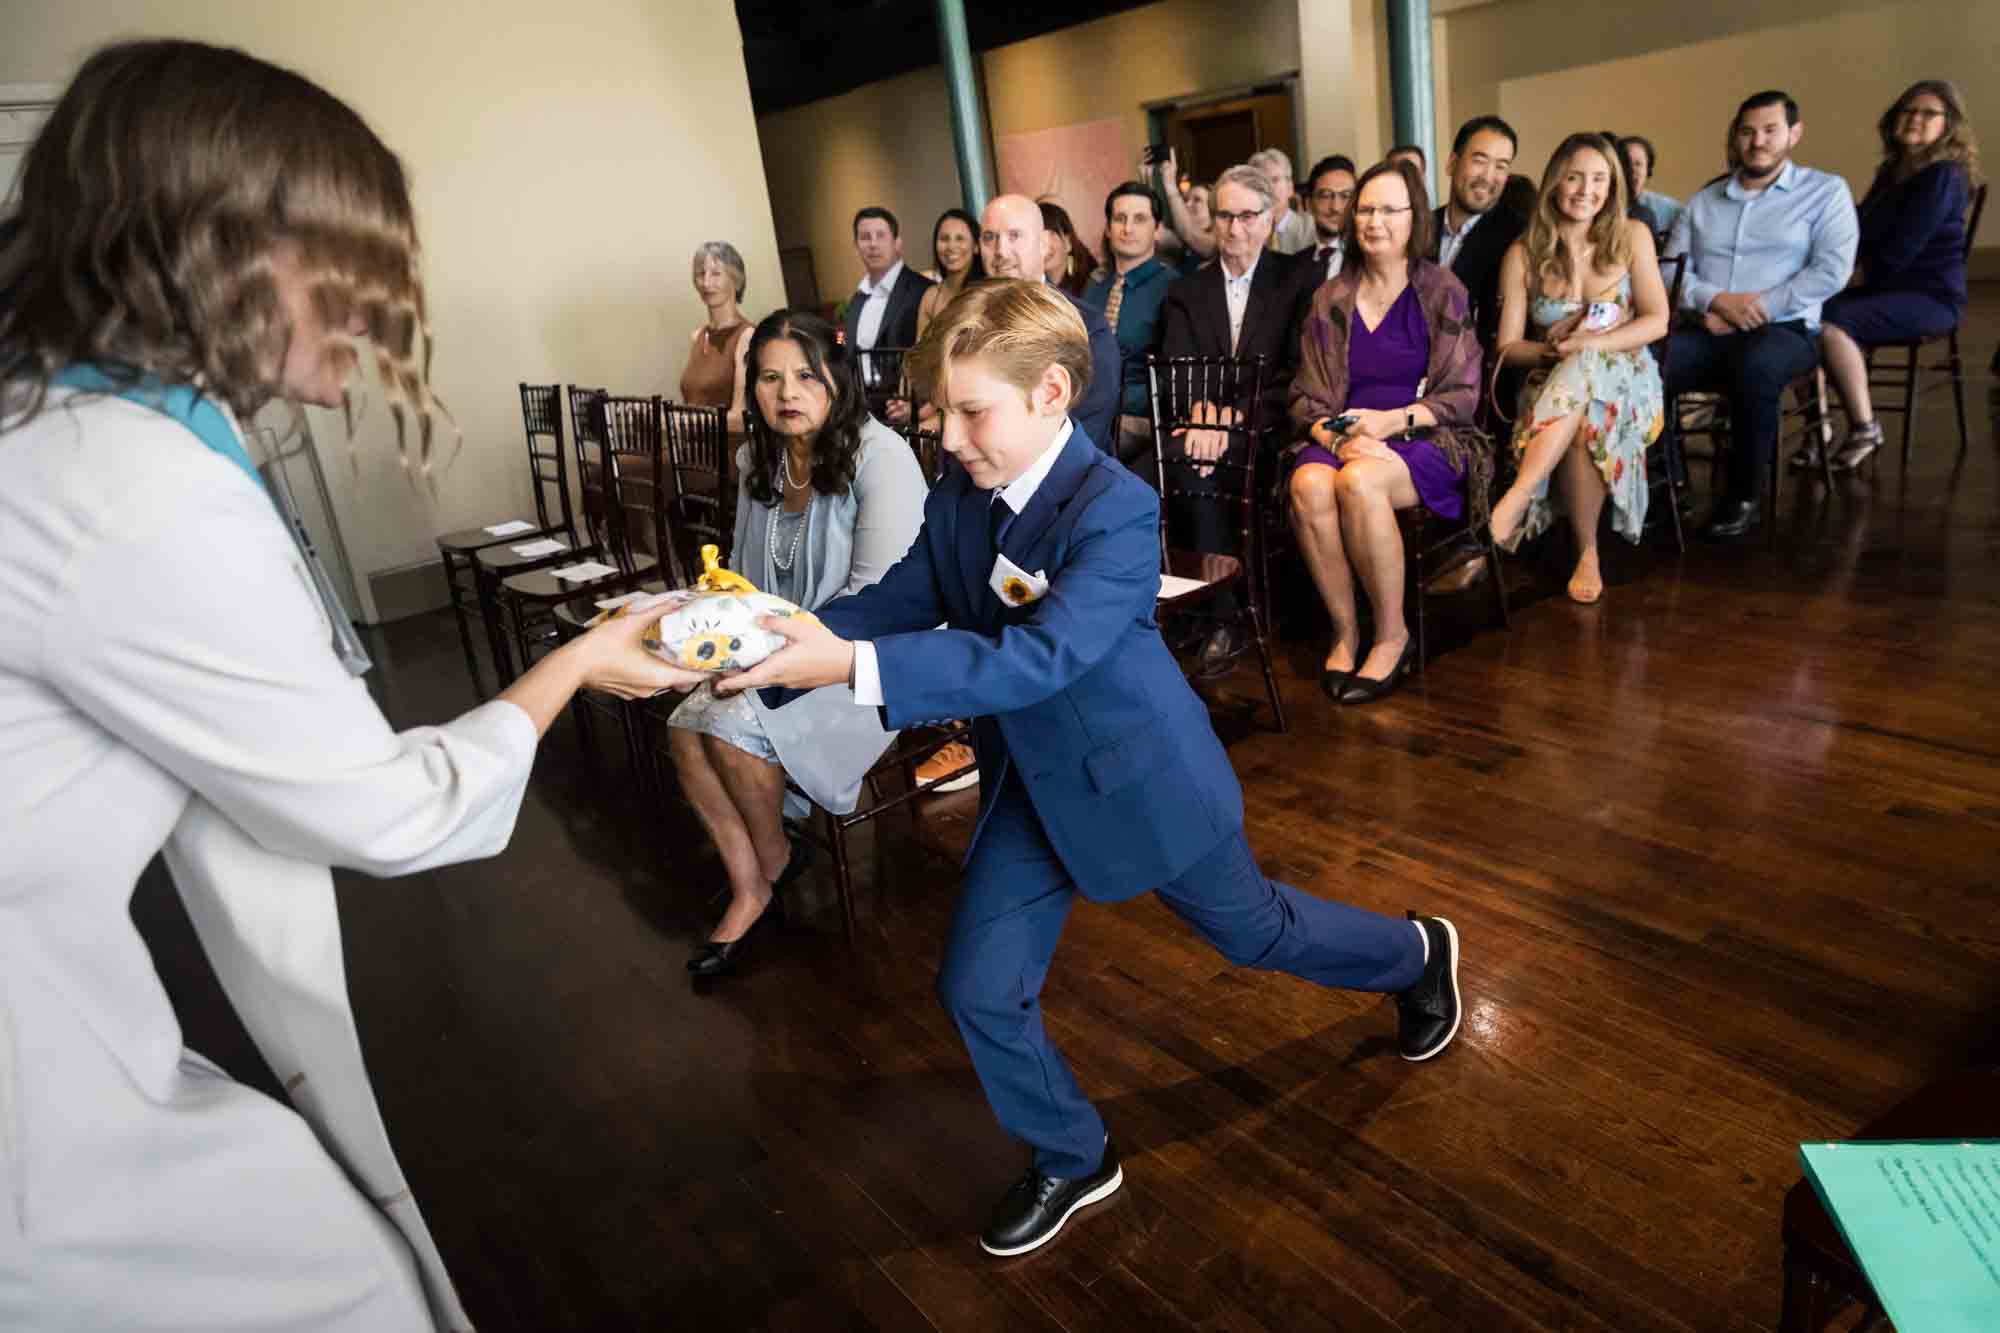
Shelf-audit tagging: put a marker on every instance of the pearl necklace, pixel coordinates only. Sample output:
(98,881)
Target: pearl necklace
(791,557)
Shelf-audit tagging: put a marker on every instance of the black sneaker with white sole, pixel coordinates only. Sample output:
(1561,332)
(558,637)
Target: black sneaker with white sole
(1034,1210)
(1428,1012)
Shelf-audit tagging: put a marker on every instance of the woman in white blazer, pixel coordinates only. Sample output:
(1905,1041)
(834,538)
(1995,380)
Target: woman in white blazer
(199,233)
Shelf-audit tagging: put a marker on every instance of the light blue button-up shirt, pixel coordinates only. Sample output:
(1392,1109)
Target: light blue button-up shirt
(1791,243)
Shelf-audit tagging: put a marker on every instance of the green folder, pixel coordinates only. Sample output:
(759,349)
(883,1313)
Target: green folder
(1923,1221)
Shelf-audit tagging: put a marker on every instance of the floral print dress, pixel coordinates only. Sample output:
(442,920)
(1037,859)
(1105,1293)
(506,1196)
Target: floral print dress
(1623,409)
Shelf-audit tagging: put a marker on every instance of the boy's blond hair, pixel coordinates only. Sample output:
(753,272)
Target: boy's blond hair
(1020,328)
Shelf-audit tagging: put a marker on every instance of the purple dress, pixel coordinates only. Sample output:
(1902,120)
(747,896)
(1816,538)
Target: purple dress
(1384,367)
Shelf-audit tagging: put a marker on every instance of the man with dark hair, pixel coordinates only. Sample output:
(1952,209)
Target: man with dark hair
(1766,246)
(1329,194)
(1415,154)
(1129,296)
(883,310)
(1641,160)
(1473,234)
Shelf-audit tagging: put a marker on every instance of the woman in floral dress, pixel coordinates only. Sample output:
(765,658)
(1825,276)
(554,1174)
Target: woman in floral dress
(1588,279)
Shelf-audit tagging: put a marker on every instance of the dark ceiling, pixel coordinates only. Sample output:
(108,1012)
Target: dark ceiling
(802,50)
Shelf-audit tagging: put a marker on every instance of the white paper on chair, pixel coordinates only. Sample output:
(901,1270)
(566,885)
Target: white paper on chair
(584,571)
(546,546)
(1172,585)
(510,527)
(613,603)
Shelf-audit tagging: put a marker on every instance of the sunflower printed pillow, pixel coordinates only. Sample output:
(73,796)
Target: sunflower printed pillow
(718,631)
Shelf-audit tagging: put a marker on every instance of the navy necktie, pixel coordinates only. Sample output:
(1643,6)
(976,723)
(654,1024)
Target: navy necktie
(999,517)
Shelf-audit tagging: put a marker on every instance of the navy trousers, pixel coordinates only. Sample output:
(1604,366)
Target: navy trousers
(1752,369)
(1011,908)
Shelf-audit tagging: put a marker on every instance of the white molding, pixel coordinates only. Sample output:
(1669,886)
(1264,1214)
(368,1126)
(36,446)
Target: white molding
(29,94)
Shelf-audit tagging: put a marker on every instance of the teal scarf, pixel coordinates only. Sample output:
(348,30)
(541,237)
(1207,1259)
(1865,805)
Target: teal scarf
(179,401)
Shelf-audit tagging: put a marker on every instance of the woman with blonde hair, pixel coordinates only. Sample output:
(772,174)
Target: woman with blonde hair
(1909,271)
(198,234)
(1586,276)
(715,374)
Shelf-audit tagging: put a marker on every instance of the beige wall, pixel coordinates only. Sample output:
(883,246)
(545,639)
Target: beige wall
(1676,72)
(888,143)
(566,160)
(1109,67)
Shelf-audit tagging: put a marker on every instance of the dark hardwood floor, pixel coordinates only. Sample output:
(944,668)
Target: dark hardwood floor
(1722,851)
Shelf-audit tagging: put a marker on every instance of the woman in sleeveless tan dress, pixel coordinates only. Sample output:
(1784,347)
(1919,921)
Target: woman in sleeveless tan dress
(714,376)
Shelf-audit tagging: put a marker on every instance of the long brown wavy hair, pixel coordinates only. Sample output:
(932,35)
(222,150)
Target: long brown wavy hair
(1957,144)
(837,450)
(150,208)
(1549,262)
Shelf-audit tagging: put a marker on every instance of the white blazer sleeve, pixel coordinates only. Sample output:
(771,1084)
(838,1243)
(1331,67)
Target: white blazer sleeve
(189,631)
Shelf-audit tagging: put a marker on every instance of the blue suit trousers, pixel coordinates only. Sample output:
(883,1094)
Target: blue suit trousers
(1012,904)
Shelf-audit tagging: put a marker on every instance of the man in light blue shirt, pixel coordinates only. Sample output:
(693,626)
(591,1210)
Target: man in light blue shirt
(1766,246)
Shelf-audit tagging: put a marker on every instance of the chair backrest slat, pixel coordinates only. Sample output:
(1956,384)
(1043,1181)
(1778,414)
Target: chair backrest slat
(1972,220)
(632,489)
(548,464)
(703,507)
(1186,394)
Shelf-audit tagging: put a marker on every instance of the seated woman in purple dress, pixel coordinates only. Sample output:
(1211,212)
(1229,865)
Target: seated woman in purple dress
(1388,381)
(1909,274)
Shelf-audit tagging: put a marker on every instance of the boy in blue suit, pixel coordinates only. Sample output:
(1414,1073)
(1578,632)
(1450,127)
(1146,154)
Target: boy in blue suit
(1100,772)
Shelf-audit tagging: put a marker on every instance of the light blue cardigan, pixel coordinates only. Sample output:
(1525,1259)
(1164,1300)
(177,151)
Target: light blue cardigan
(826,741)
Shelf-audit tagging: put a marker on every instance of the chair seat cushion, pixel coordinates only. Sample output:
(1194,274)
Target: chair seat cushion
(579,613)
(540,585)
(1214,572)
(503,560)
(467,540)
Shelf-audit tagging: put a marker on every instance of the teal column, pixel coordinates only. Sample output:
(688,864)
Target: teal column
(968,118)
(1410,77)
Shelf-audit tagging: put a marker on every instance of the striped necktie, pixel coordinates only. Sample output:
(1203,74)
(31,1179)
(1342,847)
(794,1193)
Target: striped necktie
(1114,301)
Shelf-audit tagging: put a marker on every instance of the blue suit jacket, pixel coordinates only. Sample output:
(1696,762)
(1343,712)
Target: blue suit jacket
(1076,690)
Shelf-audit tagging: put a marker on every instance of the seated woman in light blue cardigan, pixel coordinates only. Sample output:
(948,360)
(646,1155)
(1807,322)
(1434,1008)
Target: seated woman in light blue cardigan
(829,499)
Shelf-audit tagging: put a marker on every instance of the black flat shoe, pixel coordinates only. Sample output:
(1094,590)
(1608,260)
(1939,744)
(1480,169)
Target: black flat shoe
(1331,683)
(1030,1214)
(1366,689)
(715,958)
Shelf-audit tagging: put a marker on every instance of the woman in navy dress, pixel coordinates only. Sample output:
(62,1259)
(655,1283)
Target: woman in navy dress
(1909,276)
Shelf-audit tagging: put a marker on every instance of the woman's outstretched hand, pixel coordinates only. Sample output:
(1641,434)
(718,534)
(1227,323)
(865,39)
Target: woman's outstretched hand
(812,656)
(616,662)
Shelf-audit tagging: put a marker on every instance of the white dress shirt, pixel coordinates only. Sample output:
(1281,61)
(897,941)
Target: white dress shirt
(1451,242)
(874,304)
(1236,294)
(1015,495)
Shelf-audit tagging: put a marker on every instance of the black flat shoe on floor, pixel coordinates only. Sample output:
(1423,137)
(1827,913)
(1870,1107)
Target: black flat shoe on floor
(715,958)
(1366,690)
(1331,683)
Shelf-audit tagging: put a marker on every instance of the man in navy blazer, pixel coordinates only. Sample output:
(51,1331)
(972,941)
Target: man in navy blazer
(1100,773)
